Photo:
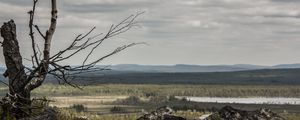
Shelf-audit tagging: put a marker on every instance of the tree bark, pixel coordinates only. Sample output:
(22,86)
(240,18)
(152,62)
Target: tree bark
(18,97)
(17,103)
(44,65)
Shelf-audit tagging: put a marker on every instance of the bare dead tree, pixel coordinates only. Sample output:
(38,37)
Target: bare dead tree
(22,80)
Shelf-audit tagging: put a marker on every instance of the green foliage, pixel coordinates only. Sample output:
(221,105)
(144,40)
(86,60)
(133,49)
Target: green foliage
(159,99)
(150,94)
(291,116)
(117,109)
(78,107)
(184,99)
(172,98)
(131,100)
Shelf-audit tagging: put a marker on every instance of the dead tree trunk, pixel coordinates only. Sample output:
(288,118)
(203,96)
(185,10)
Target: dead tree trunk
(17,95)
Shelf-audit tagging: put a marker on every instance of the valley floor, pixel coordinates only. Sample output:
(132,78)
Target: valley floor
(128,101)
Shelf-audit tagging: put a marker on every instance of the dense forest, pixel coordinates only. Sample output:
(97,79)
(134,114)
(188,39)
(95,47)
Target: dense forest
(251,77)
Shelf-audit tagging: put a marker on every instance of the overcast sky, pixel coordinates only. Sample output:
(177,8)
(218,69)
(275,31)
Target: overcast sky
(263,32)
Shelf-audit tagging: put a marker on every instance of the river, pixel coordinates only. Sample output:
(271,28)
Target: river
(250,100)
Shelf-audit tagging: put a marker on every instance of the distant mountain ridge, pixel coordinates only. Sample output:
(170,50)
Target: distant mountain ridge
(189,67)
(242,74)
(249,77)
(287,66)
(196,68)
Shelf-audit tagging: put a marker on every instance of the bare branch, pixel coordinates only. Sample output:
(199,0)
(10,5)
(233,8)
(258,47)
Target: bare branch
(74,46)
(114,30)
(83,42)
(34,80)
(64,72)
(31,33)
(50,31)
(38,29)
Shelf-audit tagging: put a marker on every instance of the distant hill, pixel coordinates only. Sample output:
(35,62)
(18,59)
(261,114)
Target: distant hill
(196,68)
(184,68)
(287,66)
(254,77)
(189,68)
(285,74)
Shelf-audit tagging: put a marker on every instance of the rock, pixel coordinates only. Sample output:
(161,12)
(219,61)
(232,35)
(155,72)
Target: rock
(171,117)
(229,113)
(203,117)
(48,114)
(81,118)
(162,113)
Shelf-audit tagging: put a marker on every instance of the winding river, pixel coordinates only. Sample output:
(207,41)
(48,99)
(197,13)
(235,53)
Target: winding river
(250,100)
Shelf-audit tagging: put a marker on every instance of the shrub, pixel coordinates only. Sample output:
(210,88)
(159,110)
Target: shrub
(184,99)
(159,99)
(173,98)
(117,109)
(78,107)
(150,94)
(131,100)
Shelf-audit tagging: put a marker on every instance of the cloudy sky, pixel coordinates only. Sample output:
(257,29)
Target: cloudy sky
(263,32)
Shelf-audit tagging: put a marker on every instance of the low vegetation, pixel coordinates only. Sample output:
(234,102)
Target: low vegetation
(66,114)
(128,102)
(142,90)
(117,109)
(291,116)
(78,107)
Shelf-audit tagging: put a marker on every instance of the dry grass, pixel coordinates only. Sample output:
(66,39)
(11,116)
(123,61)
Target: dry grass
(89,101)
(71,115)
(176,90)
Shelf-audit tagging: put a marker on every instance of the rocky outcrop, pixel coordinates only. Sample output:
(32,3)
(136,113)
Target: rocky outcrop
(162,113)
(229,113)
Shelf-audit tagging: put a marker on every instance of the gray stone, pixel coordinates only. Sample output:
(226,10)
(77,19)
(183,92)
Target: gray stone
(229,113)
(162,113)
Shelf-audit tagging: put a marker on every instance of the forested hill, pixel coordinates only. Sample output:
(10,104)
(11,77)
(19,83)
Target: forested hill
(196,68)
(256,77)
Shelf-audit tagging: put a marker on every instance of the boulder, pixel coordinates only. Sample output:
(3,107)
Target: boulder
(229,113)
(162,113)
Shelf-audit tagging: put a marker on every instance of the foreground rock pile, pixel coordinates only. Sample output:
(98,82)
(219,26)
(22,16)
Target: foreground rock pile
(166,113)
(226,113)
(162,113)
(229,113)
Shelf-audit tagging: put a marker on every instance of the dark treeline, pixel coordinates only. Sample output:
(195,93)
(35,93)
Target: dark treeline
(252,77)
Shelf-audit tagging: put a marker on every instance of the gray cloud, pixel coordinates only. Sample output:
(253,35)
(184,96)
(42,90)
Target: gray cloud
(104,7)
(18,2)
(178,31)
(287,1)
